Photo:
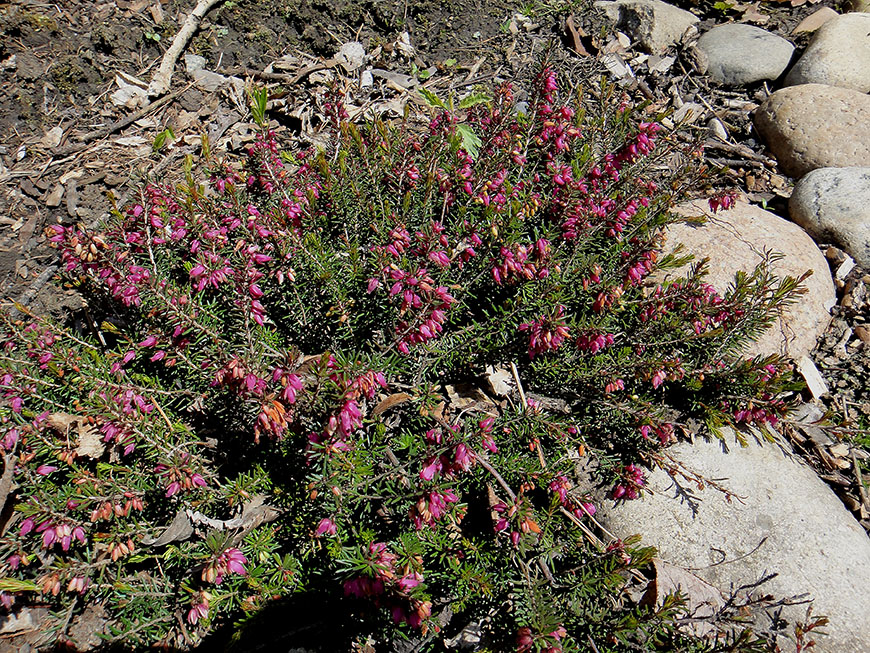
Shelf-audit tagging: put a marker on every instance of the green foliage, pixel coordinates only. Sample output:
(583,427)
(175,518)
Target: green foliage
(256,406)
(161,139)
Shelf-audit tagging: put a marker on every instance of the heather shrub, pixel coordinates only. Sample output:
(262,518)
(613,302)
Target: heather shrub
(254,406)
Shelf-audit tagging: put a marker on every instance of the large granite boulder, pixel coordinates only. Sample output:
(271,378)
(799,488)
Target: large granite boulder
(735,240)
(783,519)
(816,126)
(739,54)
(833,205)
(838,55)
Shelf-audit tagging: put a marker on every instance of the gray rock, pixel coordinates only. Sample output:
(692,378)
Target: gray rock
(833,205)
(734,240)
(838,55)
(655,25)
(352,55)
(786,521)
(193,62)
(739,54)
(209,81)
(816,126)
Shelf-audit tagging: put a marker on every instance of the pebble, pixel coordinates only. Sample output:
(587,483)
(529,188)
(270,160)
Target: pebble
(733,241)
(739,54)
(716,129)
(193,62)
(816,126)
(833,205)
(838,55)
(655,25)
(351,55)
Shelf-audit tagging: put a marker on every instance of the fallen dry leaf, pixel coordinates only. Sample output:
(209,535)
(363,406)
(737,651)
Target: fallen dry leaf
(499,380)
(751,14)
(815,20)
(90,444)
(576,35)
(180,529)
(390,402)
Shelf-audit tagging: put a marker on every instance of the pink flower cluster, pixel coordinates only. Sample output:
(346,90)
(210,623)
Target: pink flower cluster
(670,370)
(180,476)
(722,201)
(199,608)
(456,458)
(641,267)
(427,301)
(546,333)
(515,519)
(487,439)
(63,534)
(342,424)
(664,432)
(431,507)
(390,586)
(522,263)
(633,481)
(543,643)
(593,341)
(325,527)
(230,561)
(561,486)
(768,414)
(121,507)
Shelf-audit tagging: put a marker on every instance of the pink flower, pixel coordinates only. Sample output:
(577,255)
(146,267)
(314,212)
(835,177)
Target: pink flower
(325,527)
(45,470)
(235,561)
(27,526)
(440,258)
(78,584)
(430,469)
(197,612)
(410,581)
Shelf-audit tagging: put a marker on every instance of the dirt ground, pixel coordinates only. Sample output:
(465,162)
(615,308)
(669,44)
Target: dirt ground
(59,62)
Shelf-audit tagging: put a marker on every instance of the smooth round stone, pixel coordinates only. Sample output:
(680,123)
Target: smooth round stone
(816,126)
(833,205)
(786,521)
(838,55)
(733,240)
(739,54)
(654,24)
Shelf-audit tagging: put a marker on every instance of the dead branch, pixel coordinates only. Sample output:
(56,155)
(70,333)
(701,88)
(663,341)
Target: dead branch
(118,125)
(163,77)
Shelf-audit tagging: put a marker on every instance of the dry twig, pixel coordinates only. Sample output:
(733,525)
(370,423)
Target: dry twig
(163,77)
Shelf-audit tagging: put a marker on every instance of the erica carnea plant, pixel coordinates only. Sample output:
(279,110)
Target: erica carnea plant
(254,407)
